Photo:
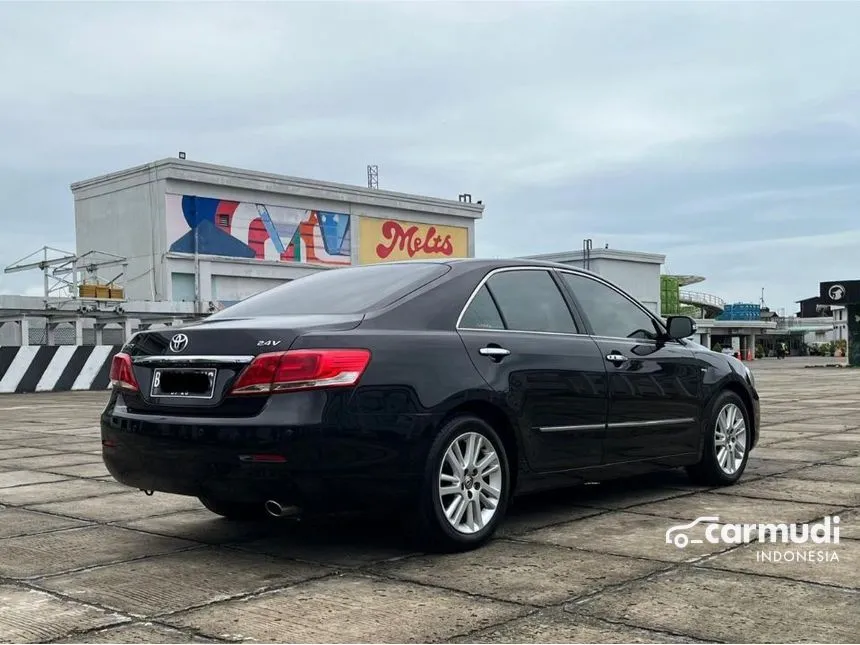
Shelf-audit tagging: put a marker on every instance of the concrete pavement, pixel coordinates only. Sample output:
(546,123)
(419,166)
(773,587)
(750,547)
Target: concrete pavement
(84,559)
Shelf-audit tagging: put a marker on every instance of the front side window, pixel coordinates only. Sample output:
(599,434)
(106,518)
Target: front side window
(531,301)
(610,313)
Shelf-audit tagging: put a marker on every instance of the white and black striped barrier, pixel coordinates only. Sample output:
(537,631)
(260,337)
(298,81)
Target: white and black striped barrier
(57,368)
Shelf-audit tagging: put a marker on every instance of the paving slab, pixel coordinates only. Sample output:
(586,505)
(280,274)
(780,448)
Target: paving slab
(142,632)
(842,442)
(757,467)
(829,473)
(538,511)
(529,573)
(732,607)
(830,564)
(9,478)
(28,616)
(96,469)
(19,452)
(343,542)
(60,551)
(557,626)
(54,491)
(849,525)
(201,526)
(841,493)
(770,437)
(121,506)
(17,521)
(178,581)
(784,452)
(619,496)
(349,609)
(734,508)
(626,534)
(60,459)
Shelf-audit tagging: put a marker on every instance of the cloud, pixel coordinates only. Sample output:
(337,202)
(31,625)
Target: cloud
(711,132)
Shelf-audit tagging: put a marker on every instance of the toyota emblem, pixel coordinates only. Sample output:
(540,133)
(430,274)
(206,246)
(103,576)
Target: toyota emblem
(178,343)
(836,292)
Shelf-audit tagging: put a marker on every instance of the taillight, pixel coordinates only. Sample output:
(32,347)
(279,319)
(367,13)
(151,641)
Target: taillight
(302,369)
(121,374)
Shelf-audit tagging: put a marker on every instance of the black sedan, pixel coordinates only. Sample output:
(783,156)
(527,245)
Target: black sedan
(439,388)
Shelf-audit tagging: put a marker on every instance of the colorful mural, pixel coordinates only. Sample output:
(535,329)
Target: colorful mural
(249,230)
(387,240)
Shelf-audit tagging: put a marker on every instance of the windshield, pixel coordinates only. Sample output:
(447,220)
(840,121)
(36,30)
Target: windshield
(338,291)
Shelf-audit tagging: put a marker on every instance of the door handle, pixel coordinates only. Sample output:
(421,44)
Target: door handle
(495,352)
(615,357)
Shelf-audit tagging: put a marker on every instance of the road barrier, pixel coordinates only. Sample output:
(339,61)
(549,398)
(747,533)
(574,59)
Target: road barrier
(57,368)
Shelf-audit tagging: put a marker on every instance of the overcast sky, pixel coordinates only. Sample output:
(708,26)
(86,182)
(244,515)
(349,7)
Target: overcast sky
(724,135)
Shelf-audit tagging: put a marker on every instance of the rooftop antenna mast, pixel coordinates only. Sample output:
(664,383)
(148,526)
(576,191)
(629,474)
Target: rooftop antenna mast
(373,177)
(586,254)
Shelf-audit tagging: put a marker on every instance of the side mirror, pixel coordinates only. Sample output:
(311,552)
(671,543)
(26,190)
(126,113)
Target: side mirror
(680,327)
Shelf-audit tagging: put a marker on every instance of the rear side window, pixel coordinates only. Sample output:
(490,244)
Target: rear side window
(482,313)
(531,301)
(338,291)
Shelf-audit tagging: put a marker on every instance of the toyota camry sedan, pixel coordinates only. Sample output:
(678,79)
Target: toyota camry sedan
(439,389)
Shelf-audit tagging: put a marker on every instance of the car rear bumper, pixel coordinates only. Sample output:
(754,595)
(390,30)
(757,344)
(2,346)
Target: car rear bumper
(348,462)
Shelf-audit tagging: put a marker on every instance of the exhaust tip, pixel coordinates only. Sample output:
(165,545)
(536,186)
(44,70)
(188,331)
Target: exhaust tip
(276,509)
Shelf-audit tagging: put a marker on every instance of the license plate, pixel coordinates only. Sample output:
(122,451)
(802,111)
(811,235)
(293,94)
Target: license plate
(183,383)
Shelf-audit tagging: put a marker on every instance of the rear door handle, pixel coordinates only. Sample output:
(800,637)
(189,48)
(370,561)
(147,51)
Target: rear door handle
(615,357)
(495,352)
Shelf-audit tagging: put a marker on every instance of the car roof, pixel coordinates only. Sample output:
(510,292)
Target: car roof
(499,263)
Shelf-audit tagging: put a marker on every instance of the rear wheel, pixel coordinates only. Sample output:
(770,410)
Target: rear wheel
(466,486)
(727,442)
(236,511)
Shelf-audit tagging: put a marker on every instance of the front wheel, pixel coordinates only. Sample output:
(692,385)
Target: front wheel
(464,494)
(727,442)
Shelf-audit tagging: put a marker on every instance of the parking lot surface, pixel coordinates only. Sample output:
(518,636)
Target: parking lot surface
(84,559)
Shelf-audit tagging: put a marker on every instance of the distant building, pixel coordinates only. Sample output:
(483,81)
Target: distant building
(212,235)
(636,272)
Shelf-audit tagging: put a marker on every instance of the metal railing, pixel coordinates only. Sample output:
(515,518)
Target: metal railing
(792,321)
(701,299)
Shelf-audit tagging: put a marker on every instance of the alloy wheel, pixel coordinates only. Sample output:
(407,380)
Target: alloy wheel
(730,438)
(470,482)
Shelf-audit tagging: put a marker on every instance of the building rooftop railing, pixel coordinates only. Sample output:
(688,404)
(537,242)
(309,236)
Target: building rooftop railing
(701,299)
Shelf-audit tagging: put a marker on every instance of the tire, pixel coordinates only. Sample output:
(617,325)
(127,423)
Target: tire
(438,533)
(714,468)
(235,511)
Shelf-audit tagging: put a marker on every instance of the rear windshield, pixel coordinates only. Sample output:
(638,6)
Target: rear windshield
(338,291)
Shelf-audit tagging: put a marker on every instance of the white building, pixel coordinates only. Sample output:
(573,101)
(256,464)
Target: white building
(840,322)
(635,272)
(213,235)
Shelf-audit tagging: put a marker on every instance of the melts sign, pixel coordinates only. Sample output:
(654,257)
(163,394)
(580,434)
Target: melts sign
(388,240)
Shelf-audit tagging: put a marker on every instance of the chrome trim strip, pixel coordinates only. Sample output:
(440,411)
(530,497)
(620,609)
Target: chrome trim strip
(584,273)
(620,425)
(522,331)
(588,426)
(651,424)
(192,360)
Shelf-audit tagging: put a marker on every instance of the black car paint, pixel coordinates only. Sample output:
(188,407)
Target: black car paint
(366,445)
